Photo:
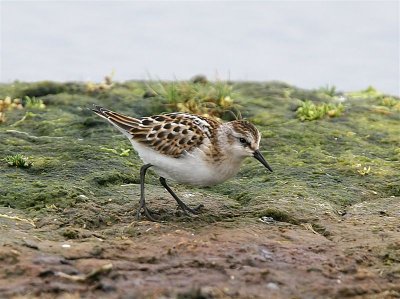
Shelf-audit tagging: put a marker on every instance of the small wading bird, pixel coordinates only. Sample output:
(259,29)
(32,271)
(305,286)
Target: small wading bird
(189,149)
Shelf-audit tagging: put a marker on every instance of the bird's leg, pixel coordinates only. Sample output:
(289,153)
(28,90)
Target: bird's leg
(183,206)
(142,203)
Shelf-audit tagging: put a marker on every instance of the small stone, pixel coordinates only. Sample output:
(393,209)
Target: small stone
(200,79)
(31,244)
(272,286)
(363,274)
(268,220)
(149,94)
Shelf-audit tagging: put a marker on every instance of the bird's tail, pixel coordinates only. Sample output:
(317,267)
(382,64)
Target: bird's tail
(123,122)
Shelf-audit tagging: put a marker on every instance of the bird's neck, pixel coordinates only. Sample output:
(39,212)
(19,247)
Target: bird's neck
(224,142)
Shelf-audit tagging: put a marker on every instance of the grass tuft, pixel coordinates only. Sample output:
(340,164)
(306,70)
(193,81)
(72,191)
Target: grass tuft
(18,160)
(328,90)
(390,102)
(105,85)
(34,103)
(211,99)
(369,92)
(310,111)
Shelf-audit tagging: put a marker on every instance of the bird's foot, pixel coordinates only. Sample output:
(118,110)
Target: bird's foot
(194,211)
(147,212)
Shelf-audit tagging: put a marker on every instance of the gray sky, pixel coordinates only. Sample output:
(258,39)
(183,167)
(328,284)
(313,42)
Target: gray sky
(309,44)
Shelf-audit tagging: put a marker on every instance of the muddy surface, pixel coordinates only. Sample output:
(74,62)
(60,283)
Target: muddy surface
(246,258)
(325,224)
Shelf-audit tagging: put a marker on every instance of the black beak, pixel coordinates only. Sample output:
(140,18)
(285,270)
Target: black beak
(260,158)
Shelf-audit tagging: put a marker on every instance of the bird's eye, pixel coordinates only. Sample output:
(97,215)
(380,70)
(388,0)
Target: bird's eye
(243,141)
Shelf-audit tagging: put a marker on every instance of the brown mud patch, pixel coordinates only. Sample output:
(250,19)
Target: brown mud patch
(357,258)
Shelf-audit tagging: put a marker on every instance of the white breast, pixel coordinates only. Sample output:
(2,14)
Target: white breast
(191,169)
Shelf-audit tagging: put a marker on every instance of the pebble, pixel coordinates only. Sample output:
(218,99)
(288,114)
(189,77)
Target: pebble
(272,286)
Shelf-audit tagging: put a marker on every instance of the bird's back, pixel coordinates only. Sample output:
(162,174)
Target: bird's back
(169,134)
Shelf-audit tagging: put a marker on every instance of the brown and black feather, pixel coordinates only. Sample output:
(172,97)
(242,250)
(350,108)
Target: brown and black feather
(170,134)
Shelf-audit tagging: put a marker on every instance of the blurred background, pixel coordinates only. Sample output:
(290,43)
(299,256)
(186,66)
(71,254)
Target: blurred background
(350,45)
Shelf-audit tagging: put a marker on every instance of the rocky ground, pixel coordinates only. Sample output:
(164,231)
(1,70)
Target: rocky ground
(325,224)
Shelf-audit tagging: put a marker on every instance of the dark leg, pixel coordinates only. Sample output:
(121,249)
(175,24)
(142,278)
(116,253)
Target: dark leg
(142,203)
(183,206)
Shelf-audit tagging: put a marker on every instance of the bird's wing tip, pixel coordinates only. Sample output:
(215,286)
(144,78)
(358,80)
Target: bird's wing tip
(98,109)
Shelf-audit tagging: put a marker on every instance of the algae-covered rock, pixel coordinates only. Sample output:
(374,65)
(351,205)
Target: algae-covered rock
(338,161)
(323,224)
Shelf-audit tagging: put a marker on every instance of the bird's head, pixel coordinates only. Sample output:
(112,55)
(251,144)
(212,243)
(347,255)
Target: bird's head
(243,140)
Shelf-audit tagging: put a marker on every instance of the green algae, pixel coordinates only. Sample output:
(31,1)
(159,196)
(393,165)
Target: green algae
(323,165)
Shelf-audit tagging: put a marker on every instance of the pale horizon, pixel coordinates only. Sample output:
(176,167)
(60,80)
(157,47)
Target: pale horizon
(350,45)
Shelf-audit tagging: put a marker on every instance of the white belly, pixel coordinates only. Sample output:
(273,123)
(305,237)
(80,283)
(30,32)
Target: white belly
(190,169)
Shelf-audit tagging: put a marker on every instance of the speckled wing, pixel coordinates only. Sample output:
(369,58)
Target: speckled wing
(170,134)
